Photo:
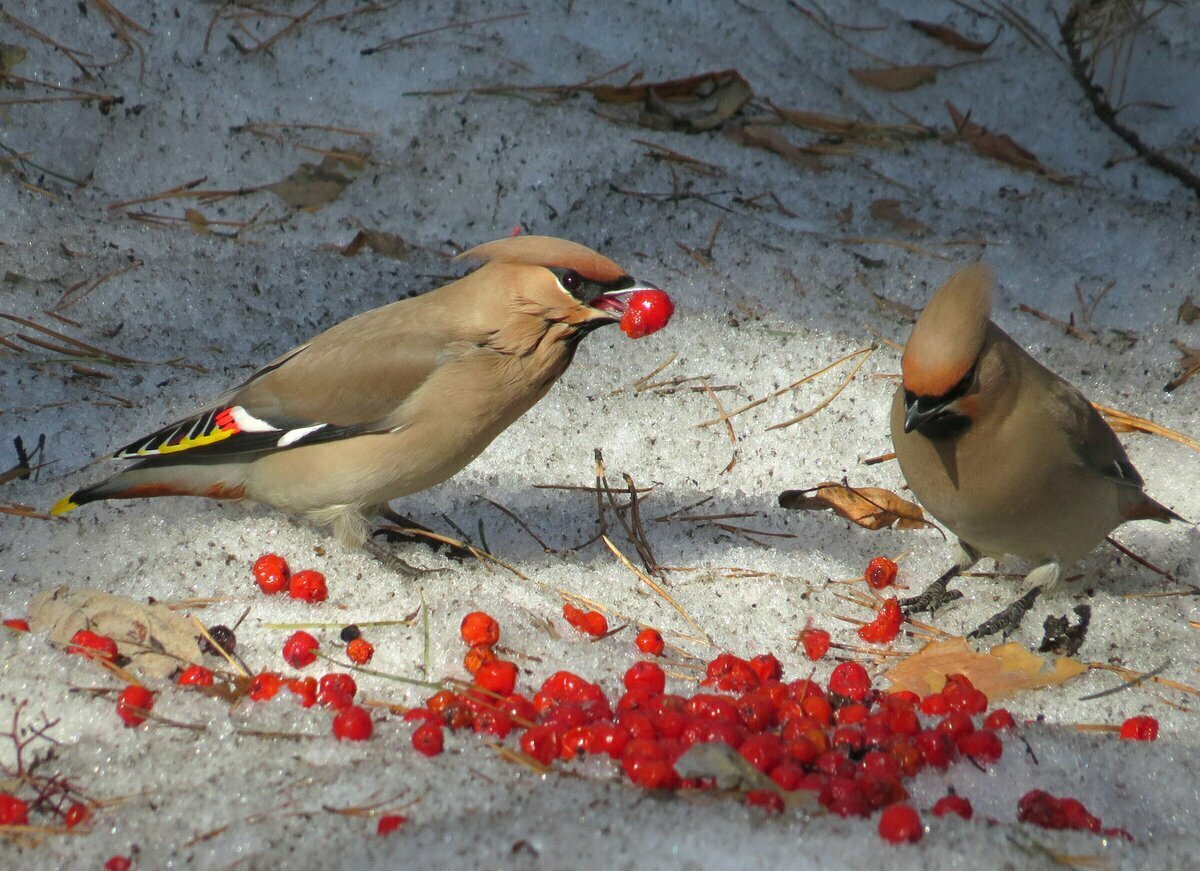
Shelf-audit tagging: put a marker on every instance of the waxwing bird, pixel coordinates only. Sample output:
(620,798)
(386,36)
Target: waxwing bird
(1003,452)
(391,401)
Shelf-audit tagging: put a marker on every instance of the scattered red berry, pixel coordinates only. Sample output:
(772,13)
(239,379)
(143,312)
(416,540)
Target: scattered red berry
(647,312)
(589,622)
(954,804)
(265,686)
(1140,729)
(998,720)
(886,625)
(1043,809)
(881,572)
(18,623)
(305,688)
(118,863)
(13,811)
(271,572)
(196,676)
(851,680)
(76,814)
(816,643)
(133,703)
(497,676)
(300,649)
(427,739)
(477,656)
(352,724)
(309,586)
(87,643)
(899,823)
(390,823)
(359,651)
(650,642)
(479,628)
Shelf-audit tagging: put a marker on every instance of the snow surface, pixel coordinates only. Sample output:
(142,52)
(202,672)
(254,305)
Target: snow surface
(785,294)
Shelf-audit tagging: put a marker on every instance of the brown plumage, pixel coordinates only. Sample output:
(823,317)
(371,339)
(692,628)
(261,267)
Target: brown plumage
(1006,454)
(391,401)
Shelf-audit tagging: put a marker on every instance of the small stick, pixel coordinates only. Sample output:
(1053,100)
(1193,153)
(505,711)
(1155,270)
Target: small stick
(824,403)
(652,585)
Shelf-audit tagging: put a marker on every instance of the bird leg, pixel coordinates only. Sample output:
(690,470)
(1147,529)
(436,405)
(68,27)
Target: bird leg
(1009,619)
(935,595)
(394,562)
(399,535)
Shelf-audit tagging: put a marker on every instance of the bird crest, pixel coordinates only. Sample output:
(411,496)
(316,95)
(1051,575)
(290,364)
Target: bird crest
(546,251)
(949,334)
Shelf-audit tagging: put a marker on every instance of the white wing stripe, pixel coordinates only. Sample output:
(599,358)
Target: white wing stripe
(249,423)
(294,435)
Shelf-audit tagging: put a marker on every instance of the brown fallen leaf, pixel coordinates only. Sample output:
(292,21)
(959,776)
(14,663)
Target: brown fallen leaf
(196,221)
(1188,312)
(382,243)
(693,104)
(901,310)
(889,210)
(870,507)
(10,56)
(156,639)
(998,146)
(1001,672)
(311,185)
(1189,362)
(951,37)
(1123,421)
(897,78)
(849,128)
(769,138)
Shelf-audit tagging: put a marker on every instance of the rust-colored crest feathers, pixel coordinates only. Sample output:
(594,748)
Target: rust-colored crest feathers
(546,251)
(949,334)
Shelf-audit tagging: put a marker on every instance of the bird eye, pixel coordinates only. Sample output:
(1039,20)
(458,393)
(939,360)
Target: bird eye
(571,280)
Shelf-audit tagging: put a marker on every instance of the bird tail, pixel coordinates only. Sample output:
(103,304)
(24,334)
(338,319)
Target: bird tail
(144,480)
(1149,509)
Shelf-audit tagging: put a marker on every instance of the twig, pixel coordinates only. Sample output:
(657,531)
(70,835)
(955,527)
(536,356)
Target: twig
(648,581)
(828,399)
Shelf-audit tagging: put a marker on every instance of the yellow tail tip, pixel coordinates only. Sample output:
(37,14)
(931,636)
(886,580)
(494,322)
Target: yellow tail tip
(63,505)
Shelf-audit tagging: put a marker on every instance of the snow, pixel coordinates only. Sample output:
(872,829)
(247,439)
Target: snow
(785,293)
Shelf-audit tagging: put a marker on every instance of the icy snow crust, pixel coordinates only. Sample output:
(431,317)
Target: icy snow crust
(452,171)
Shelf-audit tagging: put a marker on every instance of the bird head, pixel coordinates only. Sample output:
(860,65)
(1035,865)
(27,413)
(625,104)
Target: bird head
(561,282)
(941,360)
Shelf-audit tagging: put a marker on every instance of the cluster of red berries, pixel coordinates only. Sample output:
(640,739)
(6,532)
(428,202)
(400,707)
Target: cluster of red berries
(273,576)
(1042,809)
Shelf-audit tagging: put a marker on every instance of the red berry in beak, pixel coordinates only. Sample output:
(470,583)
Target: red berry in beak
(647,312)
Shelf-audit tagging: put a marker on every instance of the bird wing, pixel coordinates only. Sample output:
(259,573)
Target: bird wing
(346,382)
(1093,440)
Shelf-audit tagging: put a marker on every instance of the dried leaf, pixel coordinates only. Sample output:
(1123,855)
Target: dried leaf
(1188,312)
(901,310)
(196,221)
(10,56)
(896,78)
(311,185)
(1001,672)
(763,136)
(998,146)
(383,244)
(693,104)
(1189,362)
(870,507)
(156,639)
(1123,421)
(951,37)
(843,126)
(730,771)
(889,210)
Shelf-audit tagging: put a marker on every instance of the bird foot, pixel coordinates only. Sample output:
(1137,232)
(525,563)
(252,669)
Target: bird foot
(932,597)
(394,562)
(1009,619)
(402,535)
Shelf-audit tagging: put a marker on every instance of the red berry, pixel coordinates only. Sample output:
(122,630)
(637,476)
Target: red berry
(479,628)
(352,724)
(589,622)
(133,703)
(851,680)
(886,625)
(498,676)
(981,745)
(265,685)
(900,823)
(767,799)
(881,573)
(647,312)
(954,804)
(540,742)
(87,643)
(477,656)
(428,739)
(764,750)
(935,705)
(300,649)
(816,643)
(118,863)
(359,651)
(490,722)
(18,623)
(308,585)
(196,676)
(390,823)
(271,572)
(732,674)
(650,642)
(338,682)
(767,667)
(13,811)
(608,738)
(999,719)
(1140,729)
(76,814)
(645,676)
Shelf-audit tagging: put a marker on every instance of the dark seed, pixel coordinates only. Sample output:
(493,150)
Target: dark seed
(349,633)
(223,636)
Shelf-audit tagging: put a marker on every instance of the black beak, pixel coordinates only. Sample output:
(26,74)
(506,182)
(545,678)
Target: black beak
(920,410)
(614,302)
